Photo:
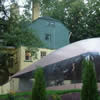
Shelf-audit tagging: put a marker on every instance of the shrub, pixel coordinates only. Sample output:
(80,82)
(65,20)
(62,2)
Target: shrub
(89,88)
(11,95)
(39,91)
(56,97)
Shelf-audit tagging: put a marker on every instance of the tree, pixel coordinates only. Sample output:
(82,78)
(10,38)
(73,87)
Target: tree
(93,18)
(77,15)
(89,88)
(15,32)
(39,92)
(14,28)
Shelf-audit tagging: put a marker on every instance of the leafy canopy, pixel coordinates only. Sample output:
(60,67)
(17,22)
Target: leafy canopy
(14,28)
(80,17)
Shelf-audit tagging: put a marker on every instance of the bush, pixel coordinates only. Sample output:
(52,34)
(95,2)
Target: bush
(39,91)
(56,97)
(89,88)
(10,97)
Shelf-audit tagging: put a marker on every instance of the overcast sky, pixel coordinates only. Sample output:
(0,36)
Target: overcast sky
(22,3)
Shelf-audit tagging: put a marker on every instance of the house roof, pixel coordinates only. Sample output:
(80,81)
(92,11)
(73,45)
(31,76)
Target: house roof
(51,32)
(47,18)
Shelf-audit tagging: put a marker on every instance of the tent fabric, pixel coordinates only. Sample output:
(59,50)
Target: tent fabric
(63,54)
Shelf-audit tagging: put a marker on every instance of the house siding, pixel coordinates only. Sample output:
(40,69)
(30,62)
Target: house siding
(15,84)
(59,34)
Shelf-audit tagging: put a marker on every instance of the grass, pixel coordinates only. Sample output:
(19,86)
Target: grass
(4,96)
(49,92)
(23,93)
(61,92)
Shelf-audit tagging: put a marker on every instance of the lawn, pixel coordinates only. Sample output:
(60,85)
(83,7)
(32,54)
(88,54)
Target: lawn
(27,95)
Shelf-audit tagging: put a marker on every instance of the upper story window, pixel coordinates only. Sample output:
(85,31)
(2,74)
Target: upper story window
(43,53)
(51,24)
(47,36)
(28,55)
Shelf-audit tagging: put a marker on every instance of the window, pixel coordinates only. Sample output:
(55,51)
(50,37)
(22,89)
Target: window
(28,55)
(43,53)
(47,36)
(51,24)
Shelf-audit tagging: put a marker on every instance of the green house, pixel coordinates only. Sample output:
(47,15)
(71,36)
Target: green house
(51,32)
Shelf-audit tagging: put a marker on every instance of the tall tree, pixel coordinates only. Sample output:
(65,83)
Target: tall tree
(14,28)
(89,88)
(93,19)
(14,32)
(81,18)
(39,91)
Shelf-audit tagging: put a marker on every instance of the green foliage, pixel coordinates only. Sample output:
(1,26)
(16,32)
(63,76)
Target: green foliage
(39,91)
(49,92)
(89,88)
(18,34)
(21,98)
(77,16)
(10,96)
(4,96)
(56,97)
(14,27)
(15,31)
(21,95)
(61,92)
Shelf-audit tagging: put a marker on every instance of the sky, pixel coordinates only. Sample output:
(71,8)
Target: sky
(22,3)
